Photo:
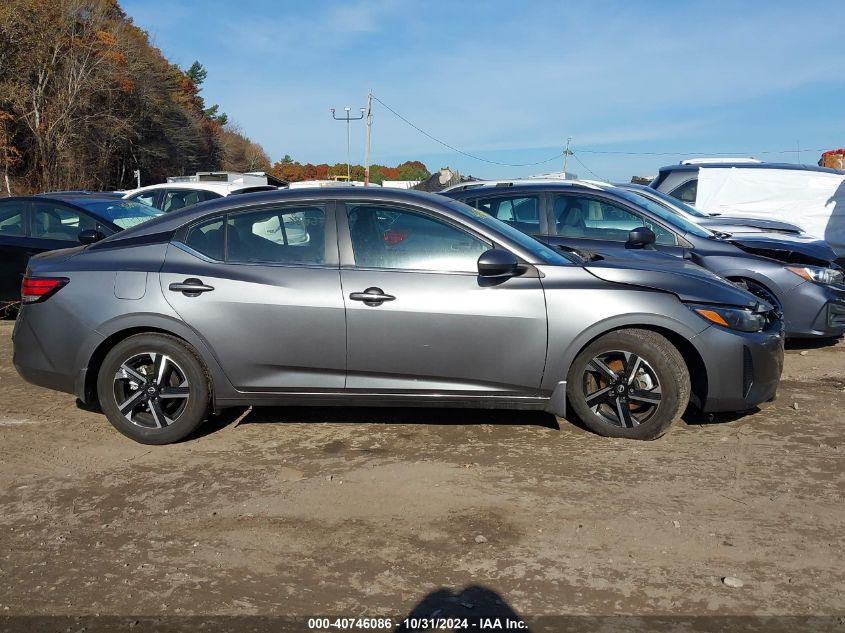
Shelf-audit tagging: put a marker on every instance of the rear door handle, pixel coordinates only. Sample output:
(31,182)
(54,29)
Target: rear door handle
(372,296)
(191,287)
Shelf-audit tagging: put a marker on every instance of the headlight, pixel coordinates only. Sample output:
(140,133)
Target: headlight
(817,274)
(732,318)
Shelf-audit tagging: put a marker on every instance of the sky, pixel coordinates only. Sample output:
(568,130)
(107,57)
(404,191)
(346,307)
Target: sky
(636,85)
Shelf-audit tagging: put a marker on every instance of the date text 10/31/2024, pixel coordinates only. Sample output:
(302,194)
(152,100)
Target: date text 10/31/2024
(416,624)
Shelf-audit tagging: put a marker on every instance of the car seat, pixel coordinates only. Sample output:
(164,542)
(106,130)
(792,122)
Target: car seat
(569,218)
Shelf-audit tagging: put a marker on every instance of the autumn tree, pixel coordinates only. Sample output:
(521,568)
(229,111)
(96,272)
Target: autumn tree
(293,171)
(85,99)
(240,154)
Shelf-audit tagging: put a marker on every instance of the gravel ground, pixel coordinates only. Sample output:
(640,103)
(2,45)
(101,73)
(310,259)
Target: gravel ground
(377,512)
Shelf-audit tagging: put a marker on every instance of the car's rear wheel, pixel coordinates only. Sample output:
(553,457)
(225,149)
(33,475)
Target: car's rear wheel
(153,388)
(629,383)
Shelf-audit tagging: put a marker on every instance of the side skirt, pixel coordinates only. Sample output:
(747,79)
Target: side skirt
(384,400)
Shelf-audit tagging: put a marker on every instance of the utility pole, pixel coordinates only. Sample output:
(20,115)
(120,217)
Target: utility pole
(137,174)
(369,138)
(566,154)
(347,118)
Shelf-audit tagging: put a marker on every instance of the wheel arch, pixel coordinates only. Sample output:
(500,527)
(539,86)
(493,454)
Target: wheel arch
(760,280)
(111,336)
(677,334)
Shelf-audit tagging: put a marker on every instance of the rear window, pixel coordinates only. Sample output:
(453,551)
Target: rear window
(687,192)
(279,235)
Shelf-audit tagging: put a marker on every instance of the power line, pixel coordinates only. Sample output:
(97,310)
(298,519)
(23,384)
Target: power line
(463,153)
(580,162)
(584,151)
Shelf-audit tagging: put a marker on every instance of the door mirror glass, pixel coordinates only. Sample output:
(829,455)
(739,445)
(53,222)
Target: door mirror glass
(498,263)
(89,236)
(641,237)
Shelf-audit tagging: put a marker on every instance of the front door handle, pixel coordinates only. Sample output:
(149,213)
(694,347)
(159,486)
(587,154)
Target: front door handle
(191,287)
(372,296)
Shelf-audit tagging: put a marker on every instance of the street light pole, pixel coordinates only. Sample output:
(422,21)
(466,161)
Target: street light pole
(369,137)
(348,118)
(566,154)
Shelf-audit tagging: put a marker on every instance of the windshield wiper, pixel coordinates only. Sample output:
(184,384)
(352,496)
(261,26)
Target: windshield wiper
(583,255)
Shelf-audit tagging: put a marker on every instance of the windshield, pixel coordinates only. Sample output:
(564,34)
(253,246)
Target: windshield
(123,213)
(543,254)
(661,212)
(680,204)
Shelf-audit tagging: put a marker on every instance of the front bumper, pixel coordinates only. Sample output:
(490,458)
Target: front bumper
(743,369)
(815,311)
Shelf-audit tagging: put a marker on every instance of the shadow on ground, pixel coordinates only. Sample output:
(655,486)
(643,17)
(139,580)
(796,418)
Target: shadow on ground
(479,606)
(375,415)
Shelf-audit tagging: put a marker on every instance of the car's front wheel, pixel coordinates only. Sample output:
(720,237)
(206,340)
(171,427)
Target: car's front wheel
(629,383)
(153,388)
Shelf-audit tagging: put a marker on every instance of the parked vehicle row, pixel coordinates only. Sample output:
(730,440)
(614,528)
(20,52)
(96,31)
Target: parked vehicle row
(794,273)
(808,195)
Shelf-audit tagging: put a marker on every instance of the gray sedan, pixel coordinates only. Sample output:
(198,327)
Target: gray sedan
(394,298)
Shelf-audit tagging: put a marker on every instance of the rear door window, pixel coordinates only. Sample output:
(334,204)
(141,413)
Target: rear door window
(13,218)
(591,218)
(521,212)
(280,235)
(56,222)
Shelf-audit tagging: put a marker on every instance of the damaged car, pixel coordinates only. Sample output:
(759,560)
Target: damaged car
(794,273)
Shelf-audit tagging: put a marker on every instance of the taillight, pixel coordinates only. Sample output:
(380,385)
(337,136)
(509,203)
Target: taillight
(35,289)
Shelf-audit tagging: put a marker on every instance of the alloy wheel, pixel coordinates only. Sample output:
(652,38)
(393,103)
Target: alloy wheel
(622,388)
(151,390)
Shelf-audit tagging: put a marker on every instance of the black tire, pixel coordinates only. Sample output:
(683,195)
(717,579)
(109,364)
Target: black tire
(639,406)
(161,386)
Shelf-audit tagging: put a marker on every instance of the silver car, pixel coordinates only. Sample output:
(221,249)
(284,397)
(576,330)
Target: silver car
(394,298)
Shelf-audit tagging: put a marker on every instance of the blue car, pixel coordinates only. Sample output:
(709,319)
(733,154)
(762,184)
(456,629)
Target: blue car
(794,273)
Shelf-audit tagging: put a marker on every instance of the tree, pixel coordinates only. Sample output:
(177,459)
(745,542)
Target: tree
(197,73)
(241,154)
(293,171)
(85,100)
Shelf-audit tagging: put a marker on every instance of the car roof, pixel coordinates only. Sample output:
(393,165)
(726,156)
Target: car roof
(746,165)
(176,219)
(527,186)
(223,188)
(80,194)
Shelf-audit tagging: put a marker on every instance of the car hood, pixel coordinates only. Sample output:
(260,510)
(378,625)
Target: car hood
(756,225)
(688,281)
(790,249)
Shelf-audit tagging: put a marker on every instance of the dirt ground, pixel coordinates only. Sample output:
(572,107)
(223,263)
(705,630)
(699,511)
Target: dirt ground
(379,512)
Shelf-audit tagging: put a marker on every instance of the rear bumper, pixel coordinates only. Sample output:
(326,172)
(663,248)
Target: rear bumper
(57,369)
(743,369)
(815,311)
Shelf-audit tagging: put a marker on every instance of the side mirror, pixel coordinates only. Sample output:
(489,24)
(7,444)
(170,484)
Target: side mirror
(641,237)
(497,263)
(89,236)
